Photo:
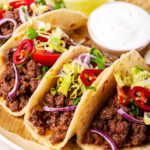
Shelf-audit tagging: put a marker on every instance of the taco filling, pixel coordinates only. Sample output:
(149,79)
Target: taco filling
(57,109)
(27,64)
(15,13)
(124,121)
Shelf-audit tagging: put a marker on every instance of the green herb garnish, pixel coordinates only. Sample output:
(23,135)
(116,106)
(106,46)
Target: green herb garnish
(28,58)
(59,4)
(1,6)
(31,34)
(23,9)
(135,108)
(75,101)
(54,41)
(3,41)
(41,1)
(138,68)
(42,29)
(44,69)
(91,87)
(99,58)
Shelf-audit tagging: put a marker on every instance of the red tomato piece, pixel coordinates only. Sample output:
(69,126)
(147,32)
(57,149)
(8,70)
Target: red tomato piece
(43,57)
(123,93)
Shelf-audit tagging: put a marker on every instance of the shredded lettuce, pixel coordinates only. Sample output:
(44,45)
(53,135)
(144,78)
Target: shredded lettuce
(134,77)
(70,82)
(147,118)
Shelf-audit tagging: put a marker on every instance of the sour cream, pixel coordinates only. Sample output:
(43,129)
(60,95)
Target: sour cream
(120,26)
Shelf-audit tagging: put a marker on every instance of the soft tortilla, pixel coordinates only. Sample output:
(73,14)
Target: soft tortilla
(106,89)
(64,18)
(45,86)
(13,42)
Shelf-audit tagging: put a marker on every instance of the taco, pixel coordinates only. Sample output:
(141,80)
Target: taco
(113,117)
(54,109)
(27,56)
(16,13)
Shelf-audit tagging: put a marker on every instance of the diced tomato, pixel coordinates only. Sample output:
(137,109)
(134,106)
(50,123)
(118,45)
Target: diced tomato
(17,4)
(123,93)
(43,57)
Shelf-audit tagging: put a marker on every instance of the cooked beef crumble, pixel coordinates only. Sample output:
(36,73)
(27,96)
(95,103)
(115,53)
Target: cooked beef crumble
(70,43)
(57,121)
(123,132)
(7,27)
(27,82)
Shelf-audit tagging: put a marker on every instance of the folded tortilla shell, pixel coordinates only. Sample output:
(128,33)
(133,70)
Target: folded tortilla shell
(64,18)
(105,90)
(45,86)
(13,42)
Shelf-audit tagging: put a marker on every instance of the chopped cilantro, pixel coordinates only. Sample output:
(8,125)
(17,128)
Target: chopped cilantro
(91,87)
(28,58)
(135,108)
(75,101)
(1,6)
(31,34)
(41,1)
(54,41)
(59,4)
(44,69)
(139,68)
(23,9)
(3,41)
(99,58)
(42,29)
(92,50)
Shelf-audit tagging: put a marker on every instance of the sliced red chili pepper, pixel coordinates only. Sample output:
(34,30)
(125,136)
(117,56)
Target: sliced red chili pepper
(17,4)
(145,94)
(123,93)
(1,13)
(16,56)
(92,74)
(43,57)
(42,39)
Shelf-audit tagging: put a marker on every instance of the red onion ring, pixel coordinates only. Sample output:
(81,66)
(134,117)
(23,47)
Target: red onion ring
(110,141)
(108,64)
(21,13)
(3,20)
(125,115)
(49,52)
(60,109)
(14,90)
(50,8)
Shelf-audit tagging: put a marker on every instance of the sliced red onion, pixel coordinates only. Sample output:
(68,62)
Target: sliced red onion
(22,15)
(50,7)
(125,115)
(3,20)
(14,90)
(60,109)
(107,64)
(50,52)
(91,66)
(110,141)
(14,49)
(75,44)
(87,59)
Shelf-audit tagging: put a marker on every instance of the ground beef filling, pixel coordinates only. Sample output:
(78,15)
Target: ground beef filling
(57,121)
(124,133)
(8,27)
(27,82)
